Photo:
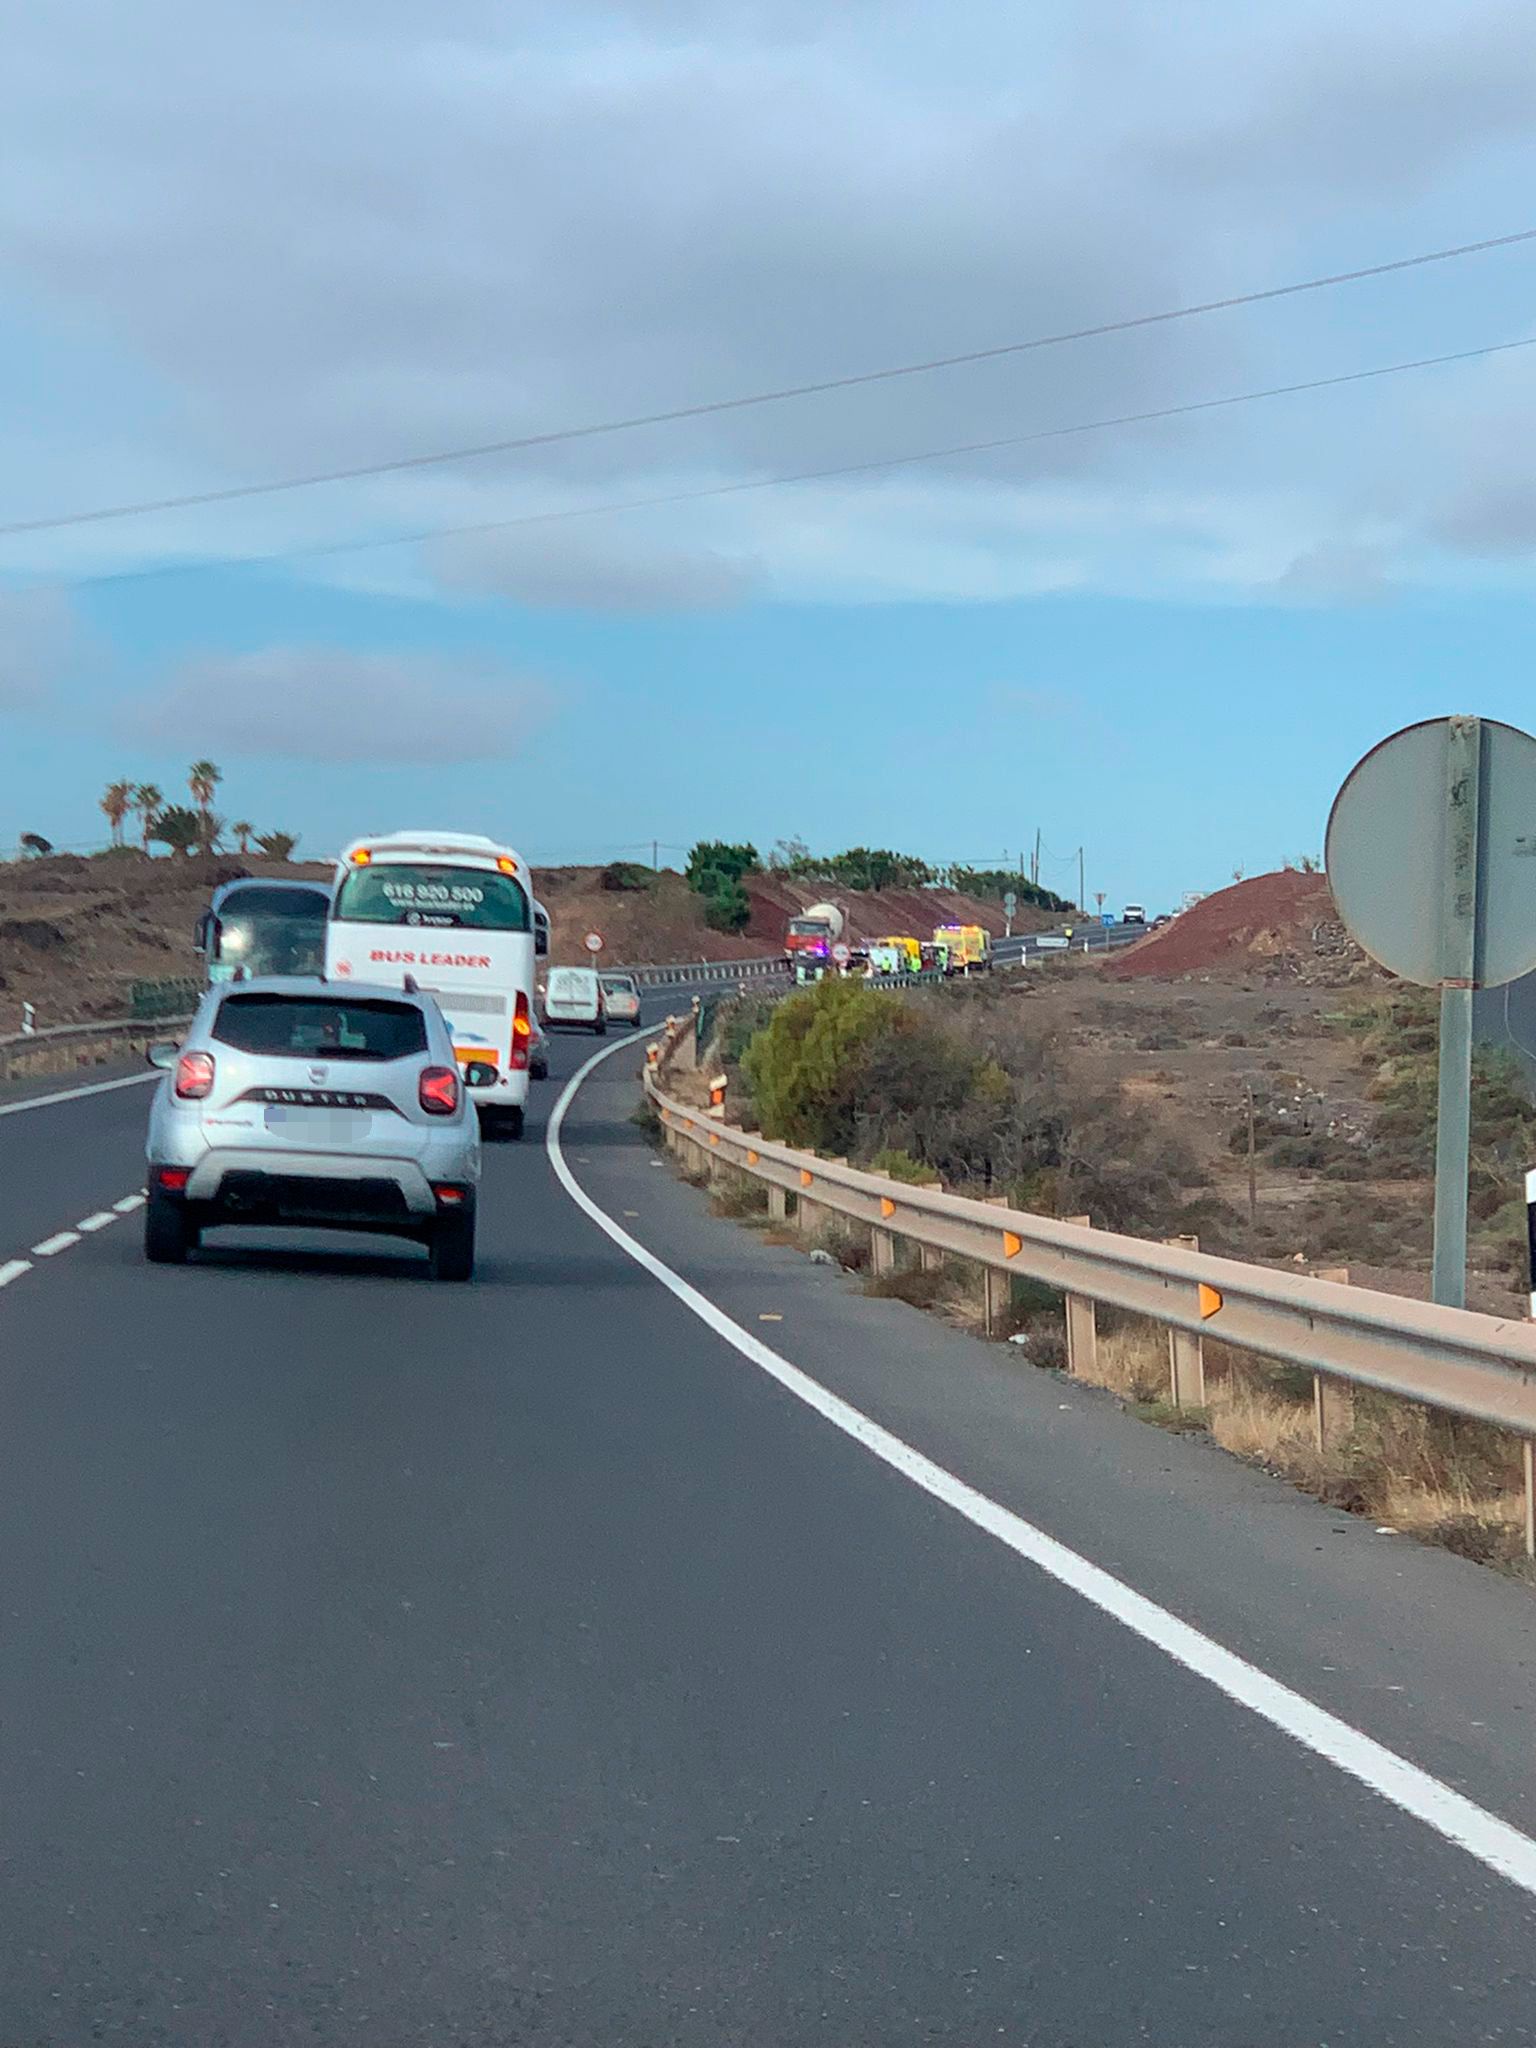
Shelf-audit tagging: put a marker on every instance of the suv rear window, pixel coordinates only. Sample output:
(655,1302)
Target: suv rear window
(320,1027)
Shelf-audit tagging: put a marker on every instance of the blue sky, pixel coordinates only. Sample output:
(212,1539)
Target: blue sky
(241,244)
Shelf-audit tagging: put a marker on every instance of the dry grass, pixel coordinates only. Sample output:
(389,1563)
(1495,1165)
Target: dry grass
(739,1198)
(1133,1361)
(1427,1475)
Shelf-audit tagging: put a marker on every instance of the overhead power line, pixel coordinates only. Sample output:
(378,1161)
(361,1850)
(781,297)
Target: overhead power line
(803,476)
(438,457)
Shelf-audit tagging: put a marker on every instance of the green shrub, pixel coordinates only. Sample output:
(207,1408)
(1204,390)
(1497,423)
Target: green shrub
(806,1067)
(902,1166)
(626,876)
(727,906)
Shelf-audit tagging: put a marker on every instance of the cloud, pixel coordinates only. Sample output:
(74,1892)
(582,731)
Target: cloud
(594,571)
(1334,572)
(315,237)
(336,704)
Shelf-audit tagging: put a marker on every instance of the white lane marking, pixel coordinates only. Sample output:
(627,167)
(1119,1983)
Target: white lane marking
(59,1242)
(13,1270)
(1457,1819)
(75,1094)
(99,1221)
(128,1204)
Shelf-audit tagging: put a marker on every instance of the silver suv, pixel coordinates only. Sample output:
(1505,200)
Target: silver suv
(297,1100)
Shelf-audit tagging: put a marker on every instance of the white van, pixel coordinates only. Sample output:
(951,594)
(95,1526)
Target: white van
(574,995)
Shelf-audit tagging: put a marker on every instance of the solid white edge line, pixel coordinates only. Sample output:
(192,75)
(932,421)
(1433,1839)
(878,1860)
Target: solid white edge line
(13,1270)
(1493,1842)
(75,1094)
(59,1242)
(99,1221)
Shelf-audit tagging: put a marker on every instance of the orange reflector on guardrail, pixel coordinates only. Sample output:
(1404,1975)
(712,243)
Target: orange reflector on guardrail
(1012,1245)
(1210,1300)
(752,1158)
(805,1177)
(887,1206)
(714,1137)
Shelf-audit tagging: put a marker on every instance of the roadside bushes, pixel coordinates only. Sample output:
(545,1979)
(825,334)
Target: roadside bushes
(715,872)
(970,1094)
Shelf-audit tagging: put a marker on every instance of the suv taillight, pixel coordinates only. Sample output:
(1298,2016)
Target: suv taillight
(522,1034)
(194,1076)
(438,1090)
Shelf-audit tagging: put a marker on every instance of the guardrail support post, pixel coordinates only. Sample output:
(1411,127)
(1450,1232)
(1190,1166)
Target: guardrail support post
(1082,1327)
(882,1249)
(1333,1401)
(1528,1461)
(1186,1352)
(778,1203)
(997,1285)
(929,1256)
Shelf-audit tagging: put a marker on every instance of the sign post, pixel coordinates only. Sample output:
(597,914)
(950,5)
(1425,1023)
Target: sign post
(1431,856)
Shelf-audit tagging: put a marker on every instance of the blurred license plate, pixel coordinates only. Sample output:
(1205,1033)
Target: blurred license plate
(305,1126)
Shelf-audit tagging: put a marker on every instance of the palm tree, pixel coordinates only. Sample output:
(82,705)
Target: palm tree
(147,800)
(117,801)
(242,829)
(278,845)
(203,778)
(179,827)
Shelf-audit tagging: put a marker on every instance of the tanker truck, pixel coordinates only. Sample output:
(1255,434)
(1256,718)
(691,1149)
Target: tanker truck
(810,938)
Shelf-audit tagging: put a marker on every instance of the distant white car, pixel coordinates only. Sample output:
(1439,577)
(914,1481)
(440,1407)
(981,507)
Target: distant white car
(574,996)
(621,998)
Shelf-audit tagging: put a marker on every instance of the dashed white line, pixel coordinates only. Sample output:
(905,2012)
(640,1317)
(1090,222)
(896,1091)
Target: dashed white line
(99,1221)
(59,1242)
(13,1270)
(128,1204)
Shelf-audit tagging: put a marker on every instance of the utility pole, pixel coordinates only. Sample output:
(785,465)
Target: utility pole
(1034,872)
(1082,891)
(656,856)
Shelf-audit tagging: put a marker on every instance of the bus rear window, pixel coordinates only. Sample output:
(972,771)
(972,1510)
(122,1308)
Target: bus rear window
(318,1027)
(400,892)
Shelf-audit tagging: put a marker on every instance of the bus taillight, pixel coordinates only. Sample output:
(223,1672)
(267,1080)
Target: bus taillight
(522,1034)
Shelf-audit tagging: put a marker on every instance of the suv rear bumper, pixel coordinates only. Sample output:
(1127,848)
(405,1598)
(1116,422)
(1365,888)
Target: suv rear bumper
(230,1185)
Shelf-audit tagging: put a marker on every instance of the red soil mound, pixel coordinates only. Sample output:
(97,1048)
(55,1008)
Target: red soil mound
(1280,926)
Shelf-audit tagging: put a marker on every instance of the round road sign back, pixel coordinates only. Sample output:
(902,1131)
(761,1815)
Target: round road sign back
(593,942)
(1392,843)
(842,954)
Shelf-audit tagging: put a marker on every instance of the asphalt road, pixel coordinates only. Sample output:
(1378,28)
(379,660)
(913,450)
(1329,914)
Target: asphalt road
(387,1663)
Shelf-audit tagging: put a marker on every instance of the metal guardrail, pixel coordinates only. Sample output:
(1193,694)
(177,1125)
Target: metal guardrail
(48,1050)
(1453,1359)
(689,971)
(177,997)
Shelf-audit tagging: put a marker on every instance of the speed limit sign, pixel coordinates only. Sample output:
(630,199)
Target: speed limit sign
(594,942)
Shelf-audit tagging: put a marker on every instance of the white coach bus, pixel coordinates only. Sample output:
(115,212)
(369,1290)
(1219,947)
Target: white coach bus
(455,911)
